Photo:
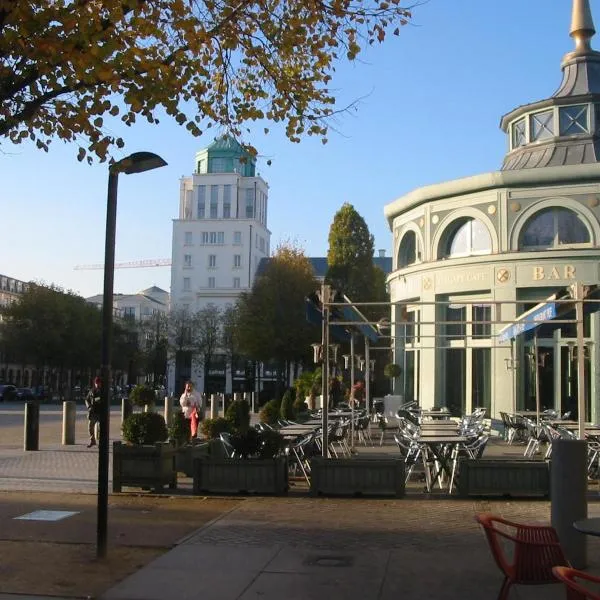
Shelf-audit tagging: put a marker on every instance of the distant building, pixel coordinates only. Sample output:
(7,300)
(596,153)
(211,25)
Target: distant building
(319,265)
(219,239)
(11,289)
(140,306)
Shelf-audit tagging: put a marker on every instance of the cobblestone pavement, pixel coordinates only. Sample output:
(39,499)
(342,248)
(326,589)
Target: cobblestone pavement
(419,547)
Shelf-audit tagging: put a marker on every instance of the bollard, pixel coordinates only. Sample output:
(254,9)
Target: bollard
(32,426)
(168,410)
(68,423)
(568,491)
(214,406)
(125,409)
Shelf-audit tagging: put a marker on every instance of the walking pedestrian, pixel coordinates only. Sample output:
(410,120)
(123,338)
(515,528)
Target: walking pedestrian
(191,403)
(93,401)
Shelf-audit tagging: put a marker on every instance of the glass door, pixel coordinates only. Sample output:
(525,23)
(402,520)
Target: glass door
(568,380)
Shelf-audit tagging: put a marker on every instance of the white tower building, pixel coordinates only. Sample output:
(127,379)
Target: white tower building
(218,241)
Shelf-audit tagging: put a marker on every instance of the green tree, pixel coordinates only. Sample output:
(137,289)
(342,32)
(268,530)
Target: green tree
(272,317)
(70,69)
(350,267)
(207,337)
(154,346)
(48,327)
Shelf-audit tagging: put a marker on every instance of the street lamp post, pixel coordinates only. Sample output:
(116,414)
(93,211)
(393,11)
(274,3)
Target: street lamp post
(137,162)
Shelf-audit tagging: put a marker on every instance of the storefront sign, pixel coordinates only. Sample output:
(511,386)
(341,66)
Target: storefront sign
(551,272)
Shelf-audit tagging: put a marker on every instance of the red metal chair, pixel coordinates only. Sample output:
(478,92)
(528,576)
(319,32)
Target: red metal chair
(535,550)
(576,591)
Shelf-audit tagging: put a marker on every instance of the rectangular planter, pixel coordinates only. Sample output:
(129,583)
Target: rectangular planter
(150,467)
(189,452)
(356,476)
(487,477)
(241,476)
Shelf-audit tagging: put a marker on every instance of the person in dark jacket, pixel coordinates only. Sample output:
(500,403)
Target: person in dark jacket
(93,402)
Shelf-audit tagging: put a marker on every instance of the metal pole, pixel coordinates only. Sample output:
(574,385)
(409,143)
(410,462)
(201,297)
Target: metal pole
(537,378)
(351,388)
(107,316)
(367,377)
(580,360)
(513,367)
(325,369)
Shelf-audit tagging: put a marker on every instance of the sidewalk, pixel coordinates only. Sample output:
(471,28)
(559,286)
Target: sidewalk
(296,547)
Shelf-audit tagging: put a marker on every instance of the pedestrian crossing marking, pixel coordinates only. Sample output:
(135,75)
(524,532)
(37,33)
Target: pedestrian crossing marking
(47,515)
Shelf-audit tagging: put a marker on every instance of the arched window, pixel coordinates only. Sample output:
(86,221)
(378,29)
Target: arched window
(409,252)
(465,237)
(553,227)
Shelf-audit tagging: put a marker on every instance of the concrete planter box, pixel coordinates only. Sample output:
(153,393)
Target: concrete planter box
(241,476)
(356,476)
(486,477)
(186,455)
(144,466)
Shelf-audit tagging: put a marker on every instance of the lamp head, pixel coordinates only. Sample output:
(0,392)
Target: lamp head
(138,162)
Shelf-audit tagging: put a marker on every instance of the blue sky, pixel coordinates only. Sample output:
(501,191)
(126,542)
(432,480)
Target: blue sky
(431,102)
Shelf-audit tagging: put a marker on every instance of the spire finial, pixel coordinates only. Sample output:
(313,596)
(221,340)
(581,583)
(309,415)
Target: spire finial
(582,26)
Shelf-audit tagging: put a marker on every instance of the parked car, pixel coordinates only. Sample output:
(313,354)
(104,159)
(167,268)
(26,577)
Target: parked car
(8,392)
(25,393)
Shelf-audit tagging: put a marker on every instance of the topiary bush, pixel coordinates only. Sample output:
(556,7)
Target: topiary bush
(287,405)
(213,428)
(270,443)
(141,395)
(238,414)
(144,428)
(179,428)
(246,443)
(300,406)
(269,413)
(392,370)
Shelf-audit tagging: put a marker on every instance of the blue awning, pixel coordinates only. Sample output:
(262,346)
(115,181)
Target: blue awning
(353,319)
(541,313)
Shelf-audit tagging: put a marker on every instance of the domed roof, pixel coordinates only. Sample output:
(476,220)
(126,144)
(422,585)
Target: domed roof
(226,143)
(562,129)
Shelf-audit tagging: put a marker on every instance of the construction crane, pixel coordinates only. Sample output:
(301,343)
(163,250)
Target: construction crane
(133,264)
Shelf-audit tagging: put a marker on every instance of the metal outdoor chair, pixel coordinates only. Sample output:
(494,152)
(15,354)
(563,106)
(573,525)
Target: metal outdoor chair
(574,589)
(535,551)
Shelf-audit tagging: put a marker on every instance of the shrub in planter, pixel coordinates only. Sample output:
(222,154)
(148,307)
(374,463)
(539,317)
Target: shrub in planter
(246,443)
(287,405)
(213,428)
(392,370)
(141,395)
(269,413)
(270,443)
(300,406)
(144,428)
(238,414)
(179,428)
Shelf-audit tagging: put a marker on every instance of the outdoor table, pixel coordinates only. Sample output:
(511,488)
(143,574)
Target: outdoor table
(438,432)
(299,427)
(589,526)
(441,447)
(439,425)
(340,415)
(436,415)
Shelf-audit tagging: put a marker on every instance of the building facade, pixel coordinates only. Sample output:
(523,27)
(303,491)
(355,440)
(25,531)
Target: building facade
(471,255)
(219,239)
(139,307)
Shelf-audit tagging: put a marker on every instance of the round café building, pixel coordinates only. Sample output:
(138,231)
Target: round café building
(471,255)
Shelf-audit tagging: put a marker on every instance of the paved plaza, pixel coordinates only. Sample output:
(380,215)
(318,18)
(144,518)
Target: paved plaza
(296,547)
